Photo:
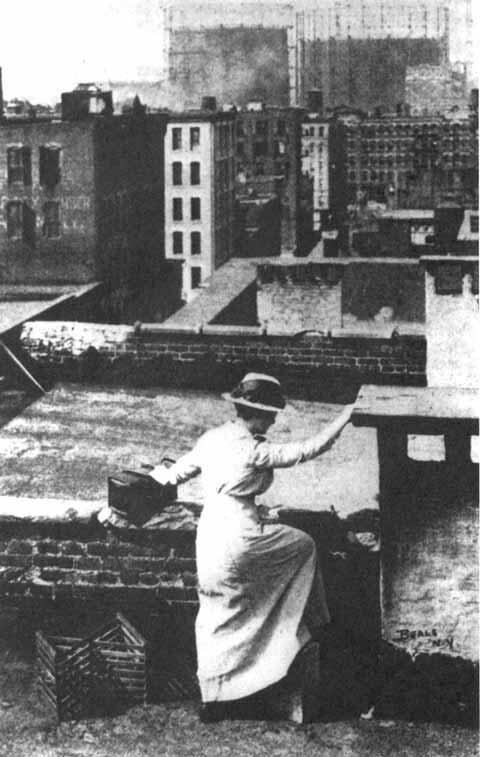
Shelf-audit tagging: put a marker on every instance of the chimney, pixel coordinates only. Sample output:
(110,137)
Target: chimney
(315,101)
(1,94)
(209,103)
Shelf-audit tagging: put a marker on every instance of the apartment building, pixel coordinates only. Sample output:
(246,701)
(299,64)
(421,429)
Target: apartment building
(411,161)
(268,160)
(82,196)
(323,163)
(199,192)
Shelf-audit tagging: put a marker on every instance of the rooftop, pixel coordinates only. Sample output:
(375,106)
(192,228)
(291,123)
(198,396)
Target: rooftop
(20,303)
(58,453)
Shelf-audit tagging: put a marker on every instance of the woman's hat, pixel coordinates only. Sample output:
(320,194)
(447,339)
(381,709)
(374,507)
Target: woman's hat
(259,391)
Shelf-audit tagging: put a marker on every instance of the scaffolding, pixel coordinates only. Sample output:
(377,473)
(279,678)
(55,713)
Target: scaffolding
(333,21)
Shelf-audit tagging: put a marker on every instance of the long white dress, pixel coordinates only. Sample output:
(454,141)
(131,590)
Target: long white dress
(259,584)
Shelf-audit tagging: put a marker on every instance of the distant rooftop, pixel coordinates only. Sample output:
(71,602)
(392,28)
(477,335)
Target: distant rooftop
(20,303)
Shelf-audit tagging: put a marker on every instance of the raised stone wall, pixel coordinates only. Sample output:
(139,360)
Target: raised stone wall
(310,366)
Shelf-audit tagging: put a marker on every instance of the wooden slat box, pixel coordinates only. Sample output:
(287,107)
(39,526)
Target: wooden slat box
(96,675)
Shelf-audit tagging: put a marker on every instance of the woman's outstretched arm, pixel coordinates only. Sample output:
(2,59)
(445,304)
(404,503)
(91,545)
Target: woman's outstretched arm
(271,455)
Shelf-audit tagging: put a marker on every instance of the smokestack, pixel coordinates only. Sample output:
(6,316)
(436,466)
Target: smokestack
(315,101)
(209,103)
(1,94)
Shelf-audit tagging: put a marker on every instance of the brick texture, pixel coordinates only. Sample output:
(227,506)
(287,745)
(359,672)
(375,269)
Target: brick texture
(154,356)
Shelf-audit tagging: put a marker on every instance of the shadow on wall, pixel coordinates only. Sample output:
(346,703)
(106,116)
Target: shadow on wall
(369,288)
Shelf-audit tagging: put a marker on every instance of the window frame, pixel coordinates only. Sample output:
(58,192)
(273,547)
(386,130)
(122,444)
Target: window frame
(177,173)
(177,243)
(195,246)
(177,137)
(194,167)
(49,222)
(177,208)
(195,209)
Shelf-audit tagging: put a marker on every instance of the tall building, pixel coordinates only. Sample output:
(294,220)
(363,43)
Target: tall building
(199,192)
(82,197)
(323,162)
(268,161)
(411,161)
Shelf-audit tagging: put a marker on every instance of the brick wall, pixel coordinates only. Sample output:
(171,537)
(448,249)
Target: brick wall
(66,576)
(310,366)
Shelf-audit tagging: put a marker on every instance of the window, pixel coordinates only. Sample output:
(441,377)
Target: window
(261,128)
(49,162)
(240,131)
(176,173)
(51,220)
(177,209)
(474,223)
(260,148)
(196,277)
(195,173)
(281,127)
(195,243)
(176,138)
(195,208)
(177,242)
(240,148)
(194,136)
(21,222)
(14,220)
(19,164)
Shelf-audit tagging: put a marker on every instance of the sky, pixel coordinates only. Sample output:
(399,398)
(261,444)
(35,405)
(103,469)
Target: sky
(64,42)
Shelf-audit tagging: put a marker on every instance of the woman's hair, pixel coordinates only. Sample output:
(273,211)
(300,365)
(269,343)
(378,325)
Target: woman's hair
(246,413)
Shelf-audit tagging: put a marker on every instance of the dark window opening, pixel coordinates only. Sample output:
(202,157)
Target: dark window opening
(261,127)
(19,165)
(176,138)
(49,161)
(195,208)
(177,173)
(260,148)
(194,136)
(240,148)
(474,224)
(178,243)
(177,209)
(195,243)
(196,277)
(51,220)
(14,220)
(195,173)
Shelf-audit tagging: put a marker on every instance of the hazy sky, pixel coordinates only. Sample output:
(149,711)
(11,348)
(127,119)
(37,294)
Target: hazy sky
(48,46)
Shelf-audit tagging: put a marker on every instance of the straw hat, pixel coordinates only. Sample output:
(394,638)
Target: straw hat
(259,391)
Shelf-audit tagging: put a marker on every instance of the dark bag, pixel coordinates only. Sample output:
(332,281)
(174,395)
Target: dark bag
(137,497)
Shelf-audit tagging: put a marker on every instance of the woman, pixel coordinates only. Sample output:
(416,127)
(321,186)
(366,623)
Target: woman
(259,584)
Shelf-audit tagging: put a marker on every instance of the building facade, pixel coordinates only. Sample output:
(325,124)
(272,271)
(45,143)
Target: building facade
(410,161)
(323,162)
(199,193)
(268,158)
(82,200)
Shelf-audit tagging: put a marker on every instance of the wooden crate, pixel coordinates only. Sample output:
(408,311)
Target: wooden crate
(97,675)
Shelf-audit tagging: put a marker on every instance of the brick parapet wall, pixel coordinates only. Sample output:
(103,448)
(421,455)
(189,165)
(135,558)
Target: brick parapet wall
(151,355)
(78,558)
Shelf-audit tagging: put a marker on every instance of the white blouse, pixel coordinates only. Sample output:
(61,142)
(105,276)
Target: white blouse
(237,464)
